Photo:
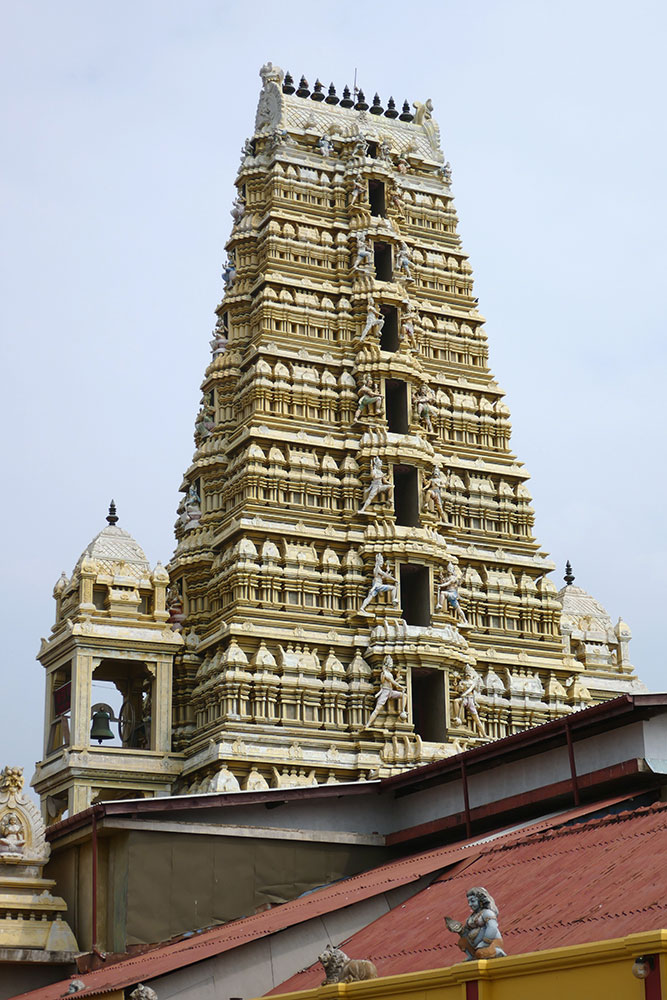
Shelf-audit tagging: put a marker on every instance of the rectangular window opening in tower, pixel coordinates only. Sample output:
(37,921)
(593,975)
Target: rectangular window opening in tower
(416,594)
(396,406)
(389,335)
(383,261)
(406,495)
(376,197)
(428,704)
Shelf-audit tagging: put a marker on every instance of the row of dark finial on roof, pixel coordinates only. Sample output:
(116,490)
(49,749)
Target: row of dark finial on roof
(358,101)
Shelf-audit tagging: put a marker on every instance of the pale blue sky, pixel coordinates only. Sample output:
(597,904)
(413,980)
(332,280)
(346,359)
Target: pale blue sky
(122,124)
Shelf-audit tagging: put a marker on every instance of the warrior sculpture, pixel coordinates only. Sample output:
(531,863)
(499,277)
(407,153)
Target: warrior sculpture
(379,483)
(383,583)
(448,590)
(368,399)
(390,690)
(362,260)
(423,403)
(464,706)
(433,493)
(403,262)
(374,319)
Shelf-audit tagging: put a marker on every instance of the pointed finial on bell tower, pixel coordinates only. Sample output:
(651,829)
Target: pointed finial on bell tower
(569,575)
(112,517)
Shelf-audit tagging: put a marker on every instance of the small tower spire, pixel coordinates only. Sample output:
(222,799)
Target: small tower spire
(112,517)
(569,575)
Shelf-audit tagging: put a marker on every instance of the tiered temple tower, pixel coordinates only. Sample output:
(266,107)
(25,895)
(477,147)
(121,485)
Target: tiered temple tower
(351,435)
(356,588)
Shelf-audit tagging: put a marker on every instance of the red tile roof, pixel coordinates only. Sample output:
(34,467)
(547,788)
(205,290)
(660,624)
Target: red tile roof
(175,955)
(601,879)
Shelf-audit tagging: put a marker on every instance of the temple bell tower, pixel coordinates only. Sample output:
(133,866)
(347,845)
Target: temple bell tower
(111,634)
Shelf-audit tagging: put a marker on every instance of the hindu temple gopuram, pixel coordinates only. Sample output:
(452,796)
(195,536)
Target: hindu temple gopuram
(356,588)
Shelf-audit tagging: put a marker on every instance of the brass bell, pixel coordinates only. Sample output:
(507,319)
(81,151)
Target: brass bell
(100,729)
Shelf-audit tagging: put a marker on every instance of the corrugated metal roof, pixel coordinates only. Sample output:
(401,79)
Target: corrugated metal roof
(601,879)
(215,941)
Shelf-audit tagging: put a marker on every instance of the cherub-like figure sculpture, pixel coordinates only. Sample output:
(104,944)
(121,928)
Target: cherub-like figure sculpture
(374,319)
(379,483)
(390,690)
(433,488)
(407,333)
(238,209)
(464,706)
(479,936)
(368,399)
(448,590)
(423,402)
(383,583)
(403,262)
(364,255)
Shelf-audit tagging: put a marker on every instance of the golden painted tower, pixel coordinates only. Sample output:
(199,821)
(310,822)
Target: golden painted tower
(353,495)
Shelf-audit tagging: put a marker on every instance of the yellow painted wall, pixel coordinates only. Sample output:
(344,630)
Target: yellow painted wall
(602,969)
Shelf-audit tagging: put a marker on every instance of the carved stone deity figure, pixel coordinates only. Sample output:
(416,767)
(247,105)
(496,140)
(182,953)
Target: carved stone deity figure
(402,165)
(464,706)
(407,333)
(384,150)
(448,590)
(190,509)
(424,402)
(363,260)
(379,483)
(383,583)
(390,690)
(360,147)
(396,200)
(358,189)
(433,488)
(479,936)
(174,605)
(12,838)
(229,272)
(325,145)
(248,149)
(205,422)
(238,209)
(374,319)
(403,262)
(368,399)
(218,342)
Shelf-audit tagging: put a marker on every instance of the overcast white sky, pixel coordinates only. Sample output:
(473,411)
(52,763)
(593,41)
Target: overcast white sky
(122,123)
